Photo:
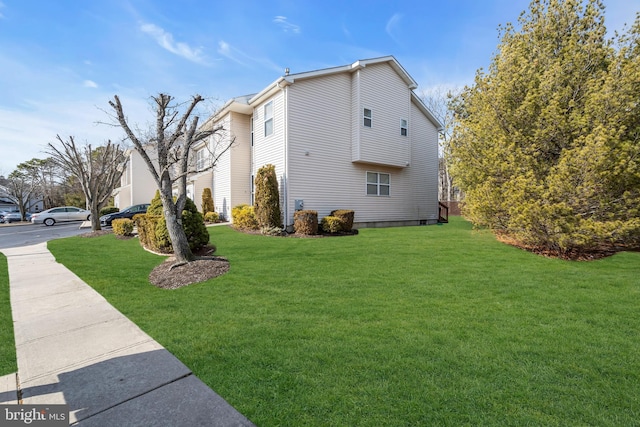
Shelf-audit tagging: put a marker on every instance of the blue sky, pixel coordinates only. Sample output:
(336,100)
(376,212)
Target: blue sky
(62,61)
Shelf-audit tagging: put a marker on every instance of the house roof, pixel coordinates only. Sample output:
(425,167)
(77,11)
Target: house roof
(244,104)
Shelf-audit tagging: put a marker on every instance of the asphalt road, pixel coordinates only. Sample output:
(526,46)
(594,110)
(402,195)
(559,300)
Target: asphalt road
(25,234)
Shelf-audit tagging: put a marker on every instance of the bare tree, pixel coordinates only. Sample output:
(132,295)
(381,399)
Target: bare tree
(167,155)
(438,101)
(98,170)
(22,186)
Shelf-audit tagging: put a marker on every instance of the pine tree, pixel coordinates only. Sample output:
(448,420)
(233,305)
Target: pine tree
(546,143)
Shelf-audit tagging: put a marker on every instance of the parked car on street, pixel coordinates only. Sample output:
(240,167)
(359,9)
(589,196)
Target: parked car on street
(60,214)
(16,217)
(105,220)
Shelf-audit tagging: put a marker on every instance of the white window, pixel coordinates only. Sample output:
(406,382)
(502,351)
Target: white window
(201,159)
(378,184)
(404,127)
(268,118)
(367,117)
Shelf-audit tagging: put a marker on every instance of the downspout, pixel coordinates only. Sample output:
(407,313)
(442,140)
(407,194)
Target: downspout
(286,157)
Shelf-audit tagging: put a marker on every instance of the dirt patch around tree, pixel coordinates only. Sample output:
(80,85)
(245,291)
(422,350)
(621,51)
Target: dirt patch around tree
(170,275)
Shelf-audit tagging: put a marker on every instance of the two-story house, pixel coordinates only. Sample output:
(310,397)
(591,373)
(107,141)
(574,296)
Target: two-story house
(351,137)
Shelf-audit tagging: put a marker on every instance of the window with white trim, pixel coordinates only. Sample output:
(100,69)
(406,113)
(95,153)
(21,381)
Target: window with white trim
(268,118)
(201,159)
(367,117)
(378,184)
(404,127)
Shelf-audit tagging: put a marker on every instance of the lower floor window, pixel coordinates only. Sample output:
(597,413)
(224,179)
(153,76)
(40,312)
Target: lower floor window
(378,184)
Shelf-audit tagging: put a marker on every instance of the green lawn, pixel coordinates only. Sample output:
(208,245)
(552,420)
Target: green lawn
(8,362)
(437,325)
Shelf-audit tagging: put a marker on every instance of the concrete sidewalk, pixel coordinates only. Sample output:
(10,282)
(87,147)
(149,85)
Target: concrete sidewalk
(73,347)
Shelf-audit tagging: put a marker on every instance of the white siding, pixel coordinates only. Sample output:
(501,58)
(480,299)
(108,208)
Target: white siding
(321,171)
(231,178)
(381,90)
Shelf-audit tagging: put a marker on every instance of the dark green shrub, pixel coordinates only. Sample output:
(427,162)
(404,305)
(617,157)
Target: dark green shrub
(108,209)
(332,224)
(211,217)
(193,225)
(244,217)
(267,197)
(122,227)
(207,202)
(346,216)
(305,222)
(152,227)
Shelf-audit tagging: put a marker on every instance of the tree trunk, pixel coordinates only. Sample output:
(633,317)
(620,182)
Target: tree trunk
(179,242)
(95,218)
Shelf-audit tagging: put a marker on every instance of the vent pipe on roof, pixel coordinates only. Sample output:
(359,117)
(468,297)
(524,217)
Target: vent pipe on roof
(286,71)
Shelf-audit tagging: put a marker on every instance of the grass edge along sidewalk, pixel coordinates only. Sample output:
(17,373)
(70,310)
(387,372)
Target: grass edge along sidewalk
(8,362)
(436,325)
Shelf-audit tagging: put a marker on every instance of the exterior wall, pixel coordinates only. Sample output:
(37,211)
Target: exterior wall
(137,184)
(379,88)
(199,182)
(271,149)
(231,177)
(321,170)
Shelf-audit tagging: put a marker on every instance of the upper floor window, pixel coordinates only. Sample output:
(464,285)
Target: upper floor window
(404,127)
(378,184)
(201,159)
(367,117)
(268,118)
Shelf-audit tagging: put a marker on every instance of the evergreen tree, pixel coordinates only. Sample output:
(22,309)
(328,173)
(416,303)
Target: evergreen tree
(267,197)
(546,142)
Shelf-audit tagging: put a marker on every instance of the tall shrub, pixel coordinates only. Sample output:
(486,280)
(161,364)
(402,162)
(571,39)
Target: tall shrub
(267,197)
(546,142)
(207,201)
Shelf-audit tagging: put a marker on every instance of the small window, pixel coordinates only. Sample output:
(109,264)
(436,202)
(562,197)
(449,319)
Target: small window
(201,159)
(268,118)
(404,127)
(378,184)
(367,117)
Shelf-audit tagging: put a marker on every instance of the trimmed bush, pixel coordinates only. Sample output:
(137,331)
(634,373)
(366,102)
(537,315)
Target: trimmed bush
(211,217)
(122,227)
(108,209)
(244,217)
(267,197)
(152,227)
(207,202)
(305,222)
(347,216)
(332,224)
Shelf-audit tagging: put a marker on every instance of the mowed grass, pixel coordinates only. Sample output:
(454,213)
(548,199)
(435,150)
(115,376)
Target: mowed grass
(436,325)
(8,362)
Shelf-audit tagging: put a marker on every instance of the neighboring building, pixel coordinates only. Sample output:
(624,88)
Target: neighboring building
(351,137)
(137,186)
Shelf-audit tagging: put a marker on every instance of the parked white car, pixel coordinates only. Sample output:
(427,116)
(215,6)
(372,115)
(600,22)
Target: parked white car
(60,214)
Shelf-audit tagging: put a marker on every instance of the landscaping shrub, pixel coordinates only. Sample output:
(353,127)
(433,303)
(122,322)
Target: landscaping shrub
(207,202)
(211,217)
(305,222)
(152,227)
(244,217)
(193,225)
(267,197)
(332,224)
(346,216)
(122,227)
(108,209)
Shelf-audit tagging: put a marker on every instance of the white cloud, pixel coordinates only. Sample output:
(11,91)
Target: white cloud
(233,54)
(286,25)
(89,83)
(392,23)
(166,41)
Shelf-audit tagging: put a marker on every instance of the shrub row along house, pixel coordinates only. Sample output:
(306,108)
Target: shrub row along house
(351,137)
